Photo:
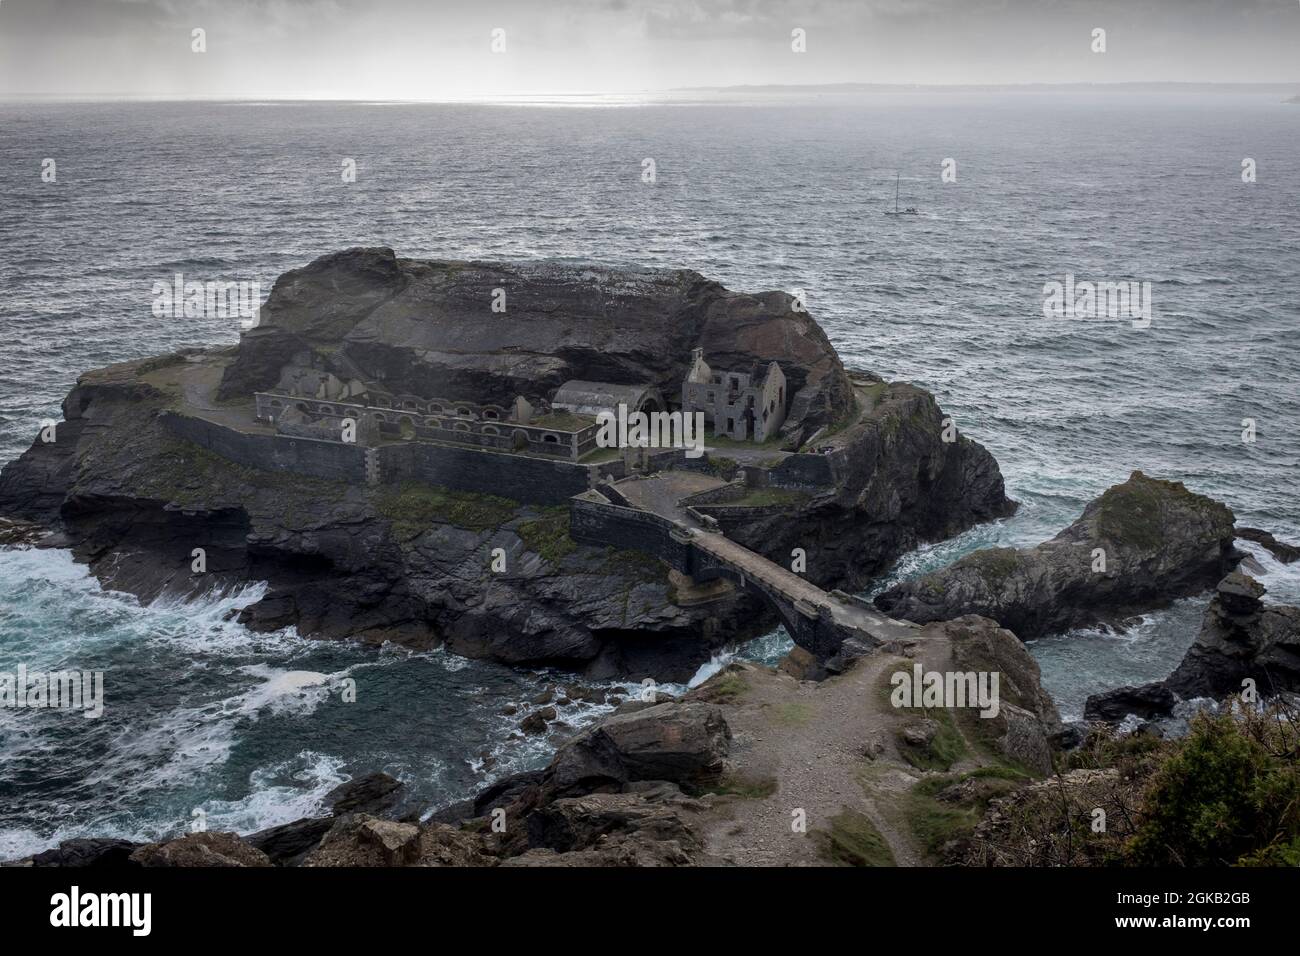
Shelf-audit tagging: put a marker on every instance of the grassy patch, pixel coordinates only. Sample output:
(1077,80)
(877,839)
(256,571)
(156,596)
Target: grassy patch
(793,713)
(600,455)
(942,751)
(562,422)
(724,688)
(636,564)
(747,788)
(997,564)
(936,822)
(724,441)
(548,535)
(413,507)
(723,467)
(759,497)
(854,841)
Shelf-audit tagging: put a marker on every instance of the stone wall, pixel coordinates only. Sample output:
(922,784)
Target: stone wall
(803,472)
(530,480)
(524,479)
(596,521)
(304,456)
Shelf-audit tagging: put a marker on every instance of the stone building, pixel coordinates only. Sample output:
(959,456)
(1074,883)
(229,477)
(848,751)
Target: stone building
(739,405)
(592,398)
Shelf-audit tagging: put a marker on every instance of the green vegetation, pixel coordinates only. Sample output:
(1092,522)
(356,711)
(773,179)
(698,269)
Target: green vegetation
(562,422)
(944,749)
(997,564)
(854,841)
(723,688)
(747,788)
(1230,793)
(413,507)
(793,713)
(723,441)
(601,455)
(636,564)
(187,474)
(723,467)
(1227,794)
(548,535)
(943,809)
(763,497)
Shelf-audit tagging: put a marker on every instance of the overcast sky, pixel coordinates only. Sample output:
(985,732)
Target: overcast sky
(431,49)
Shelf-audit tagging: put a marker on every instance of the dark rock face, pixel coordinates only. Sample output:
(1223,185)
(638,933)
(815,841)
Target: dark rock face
(103,852)
(1146,701)
(1240,638)
(1160,542)
(427,328)
(1286,553)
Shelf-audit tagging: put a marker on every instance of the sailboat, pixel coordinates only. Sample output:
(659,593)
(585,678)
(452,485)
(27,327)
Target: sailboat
(909,211)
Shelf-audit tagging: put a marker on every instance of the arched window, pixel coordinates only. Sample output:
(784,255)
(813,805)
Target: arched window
(462,426)
(555,439)
(464,412)
(432,423)
(491,430)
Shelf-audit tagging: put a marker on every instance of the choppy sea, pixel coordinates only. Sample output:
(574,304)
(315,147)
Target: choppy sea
(758,193)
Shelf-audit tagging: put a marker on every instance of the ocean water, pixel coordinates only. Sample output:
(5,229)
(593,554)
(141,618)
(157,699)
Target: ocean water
(756,193)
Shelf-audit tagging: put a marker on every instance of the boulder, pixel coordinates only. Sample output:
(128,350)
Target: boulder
(289,843)
(97,852)
(577,823)
(1158,542)
(361,840)
(685,743)
(1146,701)
(201,849)
(372,794)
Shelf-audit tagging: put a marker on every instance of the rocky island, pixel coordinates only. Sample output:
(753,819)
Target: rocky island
(401,460)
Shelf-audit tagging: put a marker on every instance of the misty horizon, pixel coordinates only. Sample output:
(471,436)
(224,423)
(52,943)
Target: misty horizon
(404,50)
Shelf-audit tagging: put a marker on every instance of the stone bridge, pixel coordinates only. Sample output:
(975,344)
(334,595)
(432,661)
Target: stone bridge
(818,621)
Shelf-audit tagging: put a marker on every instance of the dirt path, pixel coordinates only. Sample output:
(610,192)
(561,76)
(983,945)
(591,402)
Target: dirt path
(812,742)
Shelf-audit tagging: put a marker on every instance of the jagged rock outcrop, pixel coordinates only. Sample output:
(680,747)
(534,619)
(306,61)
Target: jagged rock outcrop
(200,849)
(1241,638)
(1158,541)
(392,563)
(1286,553)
